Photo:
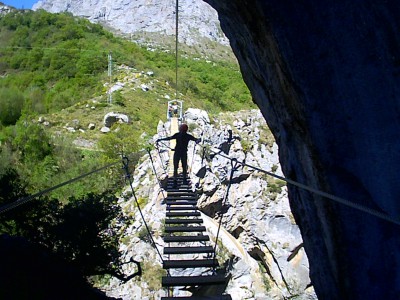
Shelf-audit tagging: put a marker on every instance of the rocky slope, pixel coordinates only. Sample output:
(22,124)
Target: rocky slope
(261,243)
(325,76)
(197,19)
(4,9)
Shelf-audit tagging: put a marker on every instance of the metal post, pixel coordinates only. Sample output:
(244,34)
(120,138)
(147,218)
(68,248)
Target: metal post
(176,48)
(110,77)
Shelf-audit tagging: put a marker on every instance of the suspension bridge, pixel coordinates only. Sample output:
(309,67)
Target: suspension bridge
(187,245)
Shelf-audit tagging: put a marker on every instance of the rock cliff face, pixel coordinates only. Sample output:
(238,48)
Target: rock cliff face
(197,19)
(326,77)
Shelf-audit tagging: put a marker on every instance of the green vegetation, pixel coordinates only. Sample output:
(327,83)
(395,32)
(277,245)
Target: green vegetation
(265,275)
(274,187)
(57,61)
(266,137)
(79,231)
(55,66)
(152,274)
(143,234)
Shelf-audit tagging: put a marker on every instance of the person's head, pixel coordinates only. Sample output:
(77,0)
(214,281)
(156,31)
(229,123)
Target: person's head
(183,127)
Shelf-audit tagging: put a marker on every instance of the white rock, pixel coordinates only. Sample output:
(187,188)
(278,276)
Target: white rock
(117,86)
(144,87)
(112,117)
(105,129)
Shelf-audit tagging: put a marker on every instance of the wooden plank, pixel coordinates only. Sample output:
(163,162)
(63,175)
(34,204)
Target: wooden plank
(182,193)
(192,280)
(171,229)
(192,263)
(221,297)
(183,221)
(169,208)
(181,197)
(183,214)
(188,250)
(181,202)
(186,238)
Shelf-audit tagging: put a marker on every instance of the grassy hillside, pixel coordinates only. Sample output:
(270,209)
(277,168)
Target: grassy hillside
(52,61)
(55,66)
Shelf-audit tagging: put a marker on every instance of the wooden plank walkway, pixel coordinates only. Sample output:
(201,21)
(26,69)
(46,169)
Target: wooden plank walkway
(184,236)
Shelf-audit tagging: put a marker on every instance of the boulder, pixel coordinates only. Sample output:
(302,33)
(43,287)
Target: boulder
(197,115)
(116,87)
(105,129)
(112,117)
(144,87)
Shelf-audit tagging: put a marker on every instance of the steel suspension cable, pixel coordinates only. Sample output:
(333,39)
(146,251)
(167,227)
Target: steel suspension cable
(340,200)
(233,168)
(155,172)
(125,162)
(22,201)
(161,160)
(194,152)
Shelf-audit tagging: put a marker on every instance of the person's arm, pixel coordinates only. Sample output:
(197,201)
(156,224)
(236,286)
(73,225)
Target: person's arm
(192,138)
(167,138)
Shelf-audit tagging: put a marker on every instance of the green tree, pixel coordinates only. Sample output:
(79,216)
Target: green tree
(80,232)
(123,139)
(32,141)
(11,103)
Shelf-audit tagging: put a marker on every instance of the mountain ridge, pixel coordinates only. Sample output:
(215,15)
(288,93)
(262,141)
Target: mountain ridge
(197,19)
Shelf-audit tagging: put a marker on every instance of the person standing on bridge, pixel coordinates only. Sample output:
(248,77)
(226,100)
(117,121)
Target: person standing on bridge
(182,140)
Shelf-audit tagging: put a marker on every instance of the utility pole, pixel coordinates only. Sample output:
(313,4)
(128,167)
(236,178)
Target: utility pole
(176,47)
(110,77)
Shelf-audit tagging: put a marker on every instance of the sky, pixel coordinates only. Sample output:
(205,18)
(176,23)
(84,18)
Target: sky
(20,3)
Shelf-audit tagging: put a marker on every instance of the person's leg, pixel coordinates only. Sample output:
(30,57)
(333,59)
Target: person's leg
(176,164)
(184,165)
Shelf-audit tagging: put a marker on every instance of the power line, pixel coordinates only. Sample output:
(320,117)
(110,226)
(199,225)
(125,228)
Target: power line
(51,48)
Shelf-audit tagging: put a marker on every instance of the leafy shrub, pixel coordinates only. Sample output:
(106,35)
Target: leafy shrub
(11,103)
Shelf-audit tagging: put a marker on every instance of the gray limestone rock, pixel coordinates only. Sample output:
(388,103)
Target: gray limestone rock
(325,76)
(197,19)
(112,117)
(105,129)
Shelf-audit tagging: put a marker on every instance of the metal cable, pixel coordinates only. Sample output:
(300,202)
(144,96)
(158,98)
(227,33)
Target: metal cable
(165,145)
(233,166)
(340,200)
(194,152)
(22,201)
(155,172)
(161,160)
(125,162)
